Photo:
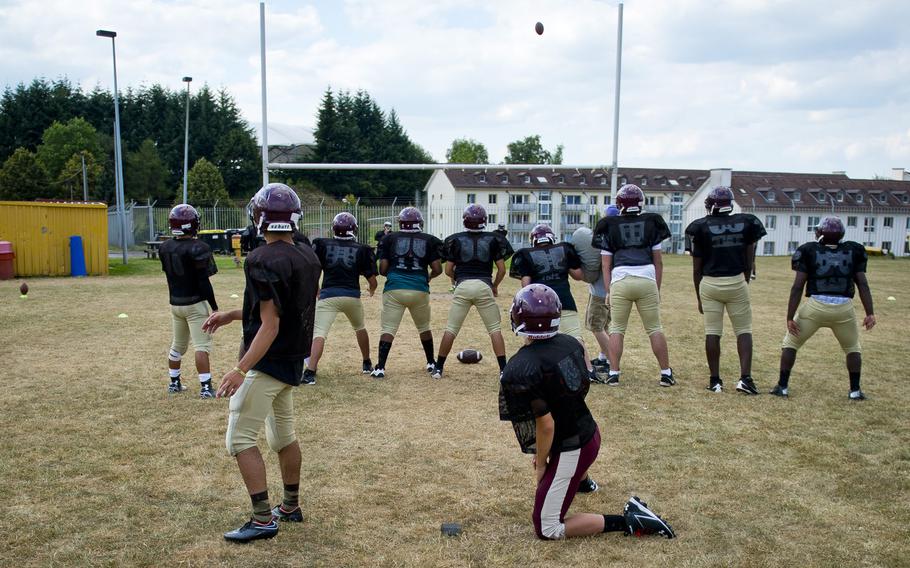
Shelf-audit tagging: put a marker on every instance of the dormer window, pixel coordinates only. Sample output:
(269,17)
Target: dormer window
(821,195)
(582,180)
(796,196)
(883,198)
(623,180)
(603,181)
(504,178)
(769,196)
(840,196)
(644,180)
(526,179)
(482,178)
(560,179)
(905,198)
(859,198)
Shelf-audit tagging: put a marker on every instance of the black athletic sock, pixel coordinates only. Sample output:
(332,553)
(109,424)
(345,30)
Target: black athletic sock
(262,510)
(501,359)
(368,362)
(715,380)
(615,523)
(784,379)
(384,348)
(854,381)
(440,363)
(428,349)
(291,497)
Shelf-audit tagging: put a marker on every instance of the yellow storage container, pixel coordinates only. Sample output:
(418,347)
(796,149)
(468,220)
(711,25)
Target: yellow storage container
(40,235)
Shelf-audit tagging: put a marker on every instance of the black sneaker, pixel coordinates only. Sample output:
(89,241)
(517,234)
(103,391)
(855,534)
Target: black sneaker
(642,521)
(600,365)
(667,380)
(252,530)
(613,380)
(595,378)
(431,368)
(437,373)
(309,377)
(857,395)
(747,385)
(367,368)
(206,390)
(176,387)
(588,485)
(378,373)
(780,391)
(295,516)
(716,385)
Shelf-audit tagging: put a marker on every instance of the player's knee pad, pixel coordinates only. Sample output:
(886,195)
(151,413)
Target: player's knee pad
(551,530)
(174,355)
(279,443)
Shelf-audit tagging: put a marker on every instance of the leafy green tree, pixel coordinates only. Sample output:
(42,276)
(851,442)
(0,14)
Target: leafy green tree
(531,151)
(69,182)
(205,186)
(239,161)
(61,141)
(23,177)
(467,151)
(144,174)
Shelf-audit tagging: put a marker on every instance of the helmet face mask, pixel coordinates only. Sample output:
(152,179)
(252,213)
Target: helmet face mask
(830,231)
(474,217)
(535,312)
(275,208)
(719,201)
(630,199)
(410,220)
(184,221)
(344,226)
(542,234)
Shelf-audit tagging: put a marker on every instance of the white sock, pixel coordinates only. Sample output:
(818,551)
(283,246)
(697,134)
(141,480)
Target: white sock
(174,374)
(667,371)
(205,377)
(602,357)
(614,373)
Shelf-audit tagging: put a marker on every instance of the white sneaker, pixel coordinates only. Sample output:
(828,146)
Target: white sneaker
(378,373)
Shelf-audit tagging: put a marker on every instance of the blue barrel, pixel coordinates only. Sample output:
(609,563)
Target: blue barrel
(77,257)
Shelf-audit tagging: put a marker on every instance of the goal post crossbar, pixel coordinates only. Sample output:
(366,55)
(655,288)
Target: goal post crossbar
(484,167)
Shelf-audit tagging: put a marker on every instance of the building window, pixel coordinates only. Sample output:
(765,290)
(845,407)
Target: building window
(526,179)
(905,198)
(796,196)
(886,246)
(908,224)
(504,179)
(491,199)
(592,200)
(572,218)
(869,225)
(859,197)
(840,196)
(623,180)
(811,223)
(603,181)
(491,218)
(582,180)
(851,221)
(482,178)
(792,246)
(518,198)
(644,181)
(769,248)
(572,199)
(472,198)
(561,179)
(770,197)
(794,220)
(543,196)
(883,198)
(888,222)
(544,211)
(770,222)
(868,244)
(821,196)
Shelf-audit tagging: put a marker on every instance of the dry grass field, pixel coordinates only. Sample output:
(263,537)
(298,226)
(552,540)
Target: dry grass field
(99,466)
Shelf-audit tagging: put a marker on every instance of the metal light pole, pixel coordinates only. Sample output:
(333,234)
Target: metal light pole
(265,122)
(186,137)
(118,154)
(84,180)
(615,173)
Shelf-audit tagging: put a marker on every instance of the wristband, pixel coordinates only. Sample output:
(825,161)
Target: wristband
(239,370)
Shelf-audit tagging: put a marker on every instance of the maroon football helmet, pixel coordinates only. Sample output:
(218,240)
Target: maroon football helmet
(184,221)
(830,230)
(630,199)
(344,225)
(410,219)
(542,234)
(275,208)
(719,200)
(474,217)
(535,312)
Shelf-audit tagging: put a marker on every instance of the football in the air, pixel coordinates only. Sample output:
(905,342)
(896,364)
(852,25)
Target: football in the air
(470,356)
(23,289)
(538,27)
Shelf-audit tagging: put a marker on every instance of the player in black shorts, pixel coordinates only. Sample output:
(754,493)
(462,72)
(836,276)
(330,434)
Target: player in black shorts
(542,393)
(278,308)
(188,263)
(722,245)
(830,270)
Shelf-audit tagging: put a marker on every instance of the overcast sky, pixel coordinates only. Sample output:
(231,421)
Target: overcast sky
(801,85)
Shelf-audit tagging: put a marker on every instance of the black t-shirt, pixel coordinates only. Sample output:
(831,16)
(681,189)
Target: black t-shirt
(409,252)
(548,377)
(288,275)
(381,235)
(188,263)
(631,237)
(474,254)
(723,241)
(343,261)
(830,269)
(550,265)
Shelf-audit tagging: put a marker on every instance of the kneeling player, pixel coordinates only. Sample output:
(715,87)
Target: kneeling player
(403,259)
(542,392)
(830,271)
(278,309)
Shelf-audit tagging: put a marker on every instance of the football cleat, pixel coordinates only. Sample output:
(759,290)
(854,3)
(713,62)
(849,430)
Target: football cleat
(667,380)
(367,368)
(206,390)
(294,516)
(613,380)
(176,387)
(252,530)
(716,386)
(437,373)
(857,395)
(309,377)
(642,521)
(600,365)
(378,373)
(747,385)
(431,368)
(595,378)
(779,391)
(588,485)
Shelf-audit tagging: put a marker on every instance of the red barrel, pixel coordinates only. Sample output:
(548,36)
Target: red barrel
(7,255)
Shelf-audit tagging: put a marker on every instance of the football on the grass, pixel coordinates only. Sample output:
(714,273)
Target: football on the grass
(23,289)
(470,356)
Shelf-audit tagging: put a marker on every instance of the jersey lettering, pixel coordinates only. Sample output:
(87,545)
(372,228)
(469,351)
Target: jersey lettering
(549,263)
(572,373)
(340,256)
(474,249)
(632,234)
(833,269)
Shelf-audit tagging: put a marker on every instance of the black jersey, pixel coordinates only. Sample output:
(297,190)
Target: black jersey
(409,254)
(288,275)
(550,265)
(548,377)
(830,269)
(188,263)
(343,261)
(631,238)
(474,254)
(723,242)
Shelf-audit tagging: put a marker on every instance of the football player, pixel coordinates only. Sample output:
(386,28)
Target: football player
(633,270)
(722,245)
(830,270)
(386,229)
(344,261)
(404,257)
(470,257)
(278,310)
(542,393)
(597,314)
(188,263)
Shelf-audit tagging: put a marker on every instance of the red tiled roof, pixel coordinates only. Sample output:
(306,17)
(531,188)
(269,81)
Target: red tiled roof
(771,190)
(578,180)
